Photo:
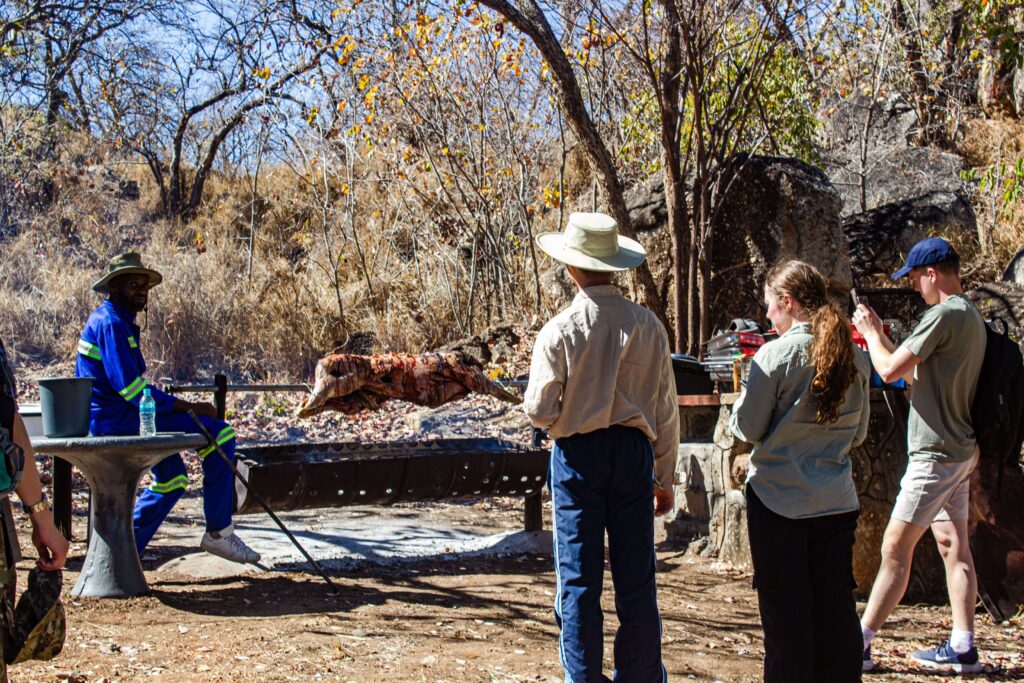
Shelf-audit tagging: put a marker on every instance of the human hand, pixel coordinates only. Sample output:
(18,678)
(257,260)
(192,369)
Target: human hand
(203,409)
(664,499)
(867,321)
(49,541)
(739,469)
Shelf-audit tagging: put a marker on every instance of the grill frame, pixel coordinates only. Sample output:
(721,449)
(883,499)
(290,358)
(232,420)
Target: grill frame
(308,475)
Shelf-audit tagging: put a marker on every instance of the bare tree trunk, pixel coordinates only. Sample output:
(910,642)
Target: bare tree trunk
(527,16)
(675,189)
(926,100)
(254,191)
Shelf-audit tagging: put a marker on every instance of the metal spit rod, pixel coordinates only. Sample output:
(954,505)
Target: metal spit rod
(263,503)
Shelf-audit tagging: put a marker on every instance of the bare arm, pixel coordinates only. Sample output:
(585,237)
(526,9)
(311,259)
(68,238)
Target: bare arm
(48,540)
(889,362)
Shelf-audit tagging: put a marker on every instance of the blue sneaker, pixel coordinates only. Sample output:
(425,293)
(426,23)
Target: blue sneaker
(946,658)
(866,663)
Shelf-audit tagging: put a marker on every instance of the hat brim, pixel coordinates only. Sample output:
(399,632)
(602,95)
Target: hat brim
(100,286)
(630,254)
(901,272)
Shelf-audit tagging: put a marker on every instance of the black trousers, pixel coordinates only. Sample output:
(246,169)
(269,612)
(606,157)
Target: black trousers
(803,573)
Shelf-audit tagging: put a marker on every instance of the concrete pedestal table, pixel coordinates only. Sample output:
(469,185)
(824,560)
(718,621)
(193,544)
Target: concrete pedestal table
(113,466)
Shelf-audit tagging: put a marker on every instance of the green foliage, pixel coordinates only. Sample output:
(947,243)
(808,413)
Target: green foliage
(996,22)
(778,114)
(1003,181)
(640,133)
(785,102)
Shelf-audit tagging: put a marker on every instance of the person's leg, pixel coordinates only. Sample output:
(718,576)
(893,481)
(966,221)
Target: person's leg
(630,522)
(837,637)
(951,535)
(778,550)
(959,653)
(923,492)
(577,480)
(961,580)
(155,502)
(218,479)
(894,572)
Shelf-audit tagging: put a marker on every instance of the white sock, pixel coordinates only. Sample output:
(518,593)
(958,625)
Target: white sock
(867,634)
(961,641)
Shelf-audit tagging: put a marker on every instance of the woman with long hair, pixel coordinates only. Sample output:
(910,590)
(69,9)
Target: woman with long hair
(804,406)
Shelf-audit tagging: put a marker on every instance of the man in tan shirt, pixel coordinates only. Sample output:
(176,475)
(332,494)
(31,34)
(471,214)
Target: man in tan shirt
(601,383)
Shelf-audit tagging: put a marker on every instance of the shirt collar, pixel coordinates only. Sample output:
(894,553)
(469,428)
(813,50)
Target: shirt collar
(798,328)
(597,291)
(123,313)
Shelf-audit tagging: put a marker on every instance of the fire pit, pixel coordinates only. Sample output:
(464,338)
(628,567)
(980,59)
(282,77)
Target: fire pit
(318,475)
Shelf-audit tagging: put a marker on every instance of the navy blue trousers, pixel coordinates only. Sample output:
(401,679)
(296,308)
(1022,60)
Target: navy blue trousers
(604,481)
(170,480)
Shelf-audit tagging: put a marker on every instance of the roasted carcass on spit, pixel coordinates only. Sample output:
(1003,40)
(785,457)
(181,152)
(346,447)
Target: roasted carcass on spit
(350,383)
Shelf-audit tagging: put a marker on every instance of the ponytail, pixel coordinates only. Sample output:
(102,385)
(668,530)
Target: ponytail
(834,365)
(835,368)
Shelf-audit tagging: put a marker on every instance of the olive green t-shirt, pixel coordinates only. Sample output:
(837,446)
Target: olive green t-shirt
(950,343)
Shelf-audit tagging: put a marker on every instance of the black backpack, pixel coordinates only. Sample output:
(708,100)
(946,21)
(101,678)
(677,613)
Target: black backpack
(998,408)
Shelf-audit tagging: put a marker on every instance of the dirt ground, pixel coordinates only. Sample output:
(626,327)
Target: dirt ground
(456,619)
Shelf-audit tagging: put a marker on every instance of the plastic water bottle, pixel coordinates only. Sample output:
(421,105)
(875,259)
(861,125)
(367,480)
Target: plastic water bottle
(147,414)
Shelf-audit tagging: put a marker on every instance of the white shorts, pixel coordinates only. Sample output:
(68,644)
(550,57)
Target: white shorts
(935,492)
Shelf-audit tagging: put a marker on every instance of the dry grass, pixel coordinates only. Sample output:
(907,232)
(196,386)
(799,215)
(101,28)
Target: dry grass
(987,142)
(395,282)
(211,314)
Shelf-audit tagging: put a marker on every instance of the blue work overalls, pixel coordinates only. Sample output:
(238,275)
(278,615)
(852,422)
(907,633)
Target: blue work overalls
(108,351)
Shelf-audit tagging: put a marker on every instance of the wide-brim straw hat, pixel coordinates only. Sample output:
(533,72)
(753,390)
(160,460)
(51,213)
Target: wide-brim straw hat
(126,264)
(591,241)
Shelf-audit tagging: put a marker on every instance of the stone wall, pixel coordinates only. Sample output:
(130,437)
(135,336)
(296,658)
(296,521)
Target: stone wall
(710,494)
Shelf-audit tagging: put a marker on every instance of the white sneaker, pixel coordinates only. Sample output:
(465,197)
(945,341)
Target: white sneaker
(225,543)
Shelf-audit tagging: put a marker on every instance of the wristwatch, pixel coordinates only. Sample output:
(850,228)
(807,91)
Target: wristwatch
(43,504)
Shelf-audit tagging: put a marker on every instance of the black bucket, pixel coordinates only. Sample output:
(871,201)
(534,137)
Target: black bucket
(64,403)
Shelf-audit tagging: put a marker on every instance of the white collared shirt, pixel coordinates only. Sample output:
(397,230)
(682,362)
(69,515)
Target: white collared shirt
(606,361)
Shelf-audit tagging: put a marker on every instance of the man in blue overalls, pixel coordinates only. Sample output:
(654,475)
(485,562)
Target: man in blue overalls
(108,351)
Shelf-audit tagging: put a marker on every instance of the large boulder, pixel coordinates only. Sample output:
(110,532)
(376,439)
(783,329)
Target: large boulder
(865,145)
(896,175)
(496,345)
(879,239)
(890,123)
(103,178)
(557,288)
(1003,300)
(777,208)
(649,213)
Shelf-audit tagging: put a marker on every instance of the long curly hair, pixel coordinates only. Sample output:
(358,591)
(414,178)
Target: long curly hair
(832,346)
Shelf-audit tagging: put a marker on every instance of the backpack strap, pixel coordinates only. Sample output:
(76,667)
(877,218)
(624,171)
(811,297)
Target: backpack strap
(12,457)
